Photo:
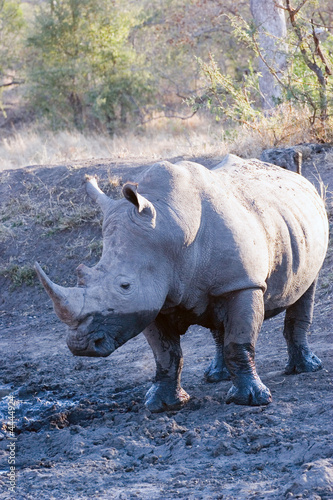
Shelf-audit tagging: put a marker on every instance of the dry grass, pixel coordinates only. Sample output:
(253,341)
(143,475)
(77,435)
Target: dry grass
(159,140)
(55,213)
(19,275)
(286,127)
(41,211)
(198,136)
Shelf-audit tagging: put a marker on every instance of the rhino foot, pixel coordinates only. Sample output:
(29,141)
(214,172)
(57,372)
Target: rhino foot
(249,392)
(301,359)
(217,371)
(163,396)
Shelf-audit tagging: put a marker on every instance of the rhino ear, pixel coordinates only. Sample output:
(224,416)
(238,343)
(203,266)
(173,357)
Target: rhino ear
(144,206)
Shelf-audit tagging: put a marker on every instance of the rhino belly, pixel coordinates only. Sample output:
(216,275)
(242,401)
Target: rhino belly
(296,266)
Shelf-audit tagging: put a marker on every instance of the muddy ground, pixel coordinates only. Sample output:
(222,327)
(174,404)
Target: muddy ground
(81,428)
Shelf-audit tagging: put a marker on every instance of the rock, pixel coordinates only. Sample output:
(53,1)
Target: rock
(288,158)
(317,477)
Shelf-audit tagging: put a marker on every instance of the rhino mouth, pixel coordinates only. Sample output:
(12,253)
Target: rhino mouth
(99,335)
(96,344)
(99,346)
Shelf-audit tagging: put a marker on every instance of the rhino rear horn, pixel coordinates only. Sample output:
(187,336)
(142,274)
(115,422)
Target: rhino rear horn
(67,302)
(96,194)
(84,275)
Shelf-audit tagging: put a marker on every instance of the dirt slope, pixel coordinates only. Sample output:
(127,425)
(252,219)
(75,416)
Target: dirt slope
(81,426)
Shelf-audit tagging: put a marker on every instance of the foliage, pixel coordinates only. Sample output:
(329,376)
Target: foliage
(227,98)
(110,64)
(83,66)
(11,26)
(307,79)
(96,64)
(310,70)
(178,32)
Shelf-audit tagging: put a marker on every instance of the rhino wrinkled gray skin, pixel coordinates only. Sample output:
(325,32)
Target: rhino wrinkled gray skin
(224,249)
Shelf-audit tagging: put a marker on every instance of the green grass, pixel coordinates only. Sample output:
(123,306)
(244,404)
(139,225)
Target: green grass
(19,275)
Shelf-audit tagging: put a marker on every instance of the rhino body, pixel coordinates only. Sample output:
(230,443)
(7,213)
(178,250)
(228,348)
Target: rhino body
(225,249)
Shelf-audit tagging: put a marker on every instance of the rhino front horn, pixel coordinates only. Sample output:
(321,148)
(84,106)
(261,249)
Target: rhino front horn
(67,302)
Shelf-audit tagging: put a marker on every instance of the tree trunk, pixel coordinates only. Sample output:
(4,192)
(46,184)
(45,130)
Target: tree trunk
(271,24)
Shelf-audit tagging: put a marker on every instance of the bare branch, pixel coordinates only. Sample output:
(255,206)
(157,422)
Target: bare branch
(13,82)
(168,116)
(311,65)
(319,51)
(292,12)
(300,6)
(322,24)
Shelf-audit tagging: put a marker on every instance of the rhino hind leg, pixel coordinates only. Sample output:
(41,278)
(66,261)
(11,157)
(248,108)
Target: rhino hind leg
(166,392)
(296,327)
(244,317)
(217,370)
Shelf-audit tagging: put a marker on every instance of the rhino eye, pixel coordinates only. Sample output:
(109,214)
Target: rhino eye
(125,286)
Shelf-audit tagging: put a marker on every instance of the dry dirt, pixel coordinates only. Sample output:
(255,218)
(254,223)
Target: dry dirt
(81,428)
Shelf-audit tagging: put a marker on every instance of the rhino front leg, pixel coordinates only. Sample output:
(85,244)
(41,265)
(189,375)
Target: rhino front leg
(217,370)
(166,392)
(296,326)
(244,317)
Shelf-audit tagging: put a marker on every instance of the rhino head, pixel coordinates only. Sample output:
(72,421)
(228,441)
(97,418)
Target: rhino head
(120,296)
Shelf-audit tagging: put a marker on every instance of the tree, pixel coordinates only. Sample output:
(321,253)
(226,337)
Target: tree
(271,24)
(313,56)
(307,76)
(175,34)
(11,25)
(83,68)
(305,81)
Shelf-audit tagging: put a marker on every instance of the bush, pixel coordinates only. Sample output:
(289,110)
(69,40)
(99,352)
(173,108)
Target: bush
(83,70)
(306,83)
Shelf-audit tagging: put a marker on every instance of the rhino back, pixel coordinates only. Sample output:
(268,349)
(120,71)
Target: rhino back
(243,225)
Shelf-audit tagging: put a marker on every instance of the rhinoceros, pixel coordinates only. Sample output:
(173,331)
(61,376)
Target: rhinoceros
(224,248)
